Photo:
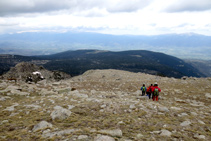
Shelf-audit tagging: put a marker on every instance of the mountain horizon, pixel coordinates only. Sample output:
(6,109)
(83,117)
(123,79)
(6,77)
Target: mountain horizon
(184,46)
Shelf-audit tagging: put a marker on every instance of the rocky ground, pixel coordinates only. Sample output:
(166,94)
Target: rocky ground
(105,105)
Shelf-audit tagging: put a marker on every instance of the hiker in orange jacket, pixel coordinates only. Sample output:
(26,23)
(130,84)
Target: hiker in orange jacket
(155,92)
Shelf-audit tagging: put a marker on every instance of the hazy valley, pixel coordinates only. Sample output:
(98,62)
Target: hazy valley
(185,46)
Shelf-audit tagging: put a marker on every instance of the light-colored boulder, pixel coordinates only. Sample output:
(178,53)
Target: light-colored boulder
(163,109)
(132,106)
(113,133)
(201,122)
(200,137)
(60,113)
(185,123)
(165,133)
(42,125)
(103,138)
(82,137)
(208,95)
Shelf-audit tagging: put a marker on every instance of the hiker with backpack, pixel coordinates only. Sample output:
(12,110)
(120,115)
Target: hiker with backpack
(149,91)
(155,92)
(143,89)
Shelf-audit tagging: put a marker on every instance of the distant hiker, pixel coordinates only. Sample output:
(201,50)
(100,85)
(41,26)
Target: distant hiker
(155,92)
(143,89)
(149,91)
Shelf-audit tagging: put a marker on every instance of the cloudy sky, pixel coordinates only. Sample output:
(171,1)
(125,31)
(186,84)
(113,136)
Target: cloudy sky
(139,17)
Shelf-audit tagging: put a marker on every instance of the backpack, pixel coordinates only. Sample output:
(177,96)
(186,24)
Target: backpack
(156,92)
(144,89)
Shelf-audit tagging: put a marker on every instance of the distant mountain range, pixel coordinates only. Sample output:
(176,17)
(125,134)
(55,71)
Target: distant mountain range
(77,62)
(189,45)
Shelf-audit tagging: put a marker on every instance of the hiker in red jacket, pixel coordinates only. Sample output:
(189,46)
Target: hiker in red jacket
(149,91)
(155,92)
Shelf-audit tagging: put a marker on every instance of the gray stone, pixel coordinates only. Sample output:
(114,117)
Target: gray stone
(132,106)
(11,108)
(103,138)
(17,92)
(139,136)
(60,113)
(81,137)
(176,108)
(4,121)
(194,113)
(113,133)
(155,132)
(196,136)
(163,109)
(183,114)
(185,123)
(201,122)
(59,133)
(64,90)
(208,95)
(70,107)
(35,107)
(42,125)
(165,133)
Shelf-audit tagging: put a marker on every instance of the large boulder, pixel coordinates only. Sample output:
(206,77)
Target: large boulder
(60,113)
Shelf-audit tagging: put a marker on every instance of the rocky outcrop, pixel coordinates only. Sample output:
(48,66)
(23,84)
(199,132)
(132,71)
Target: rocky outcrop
(32,73)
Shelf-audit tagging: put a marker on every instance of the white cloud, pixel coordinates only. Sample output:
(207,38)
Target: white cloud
(189,5)
(110,16)
(13,7)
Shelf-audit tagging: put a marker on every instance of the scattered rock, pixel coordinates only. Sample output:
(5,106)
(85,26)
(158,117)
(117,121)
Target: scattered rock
(11,108)
(132,106)
(82,137)
(35,107)
(155,132)
(60,113)
(194,113)
(113,133)
(103,138)
(165,133)
(185,123)
(196,136)
(41,126)
(4,121)
(180,100)
(59,133)
(201,122)
(70,107)
(176,108)
(139,136)
(183,114)
(163,109)
(208,95)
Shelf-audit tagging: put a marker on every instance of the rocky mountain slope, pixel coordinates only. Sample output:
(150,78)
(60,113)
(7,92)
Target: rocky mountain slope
(77,62)
(105,105)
